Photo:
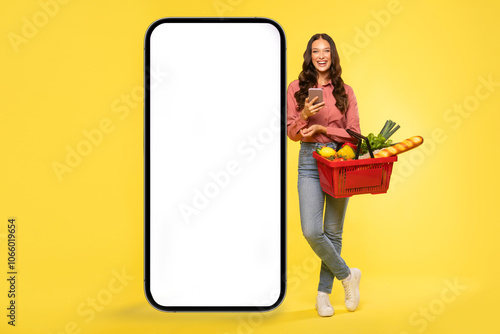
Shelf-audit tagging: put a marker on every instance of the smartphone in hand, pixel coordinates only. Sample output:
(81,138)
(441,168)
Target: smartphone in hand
(313,92)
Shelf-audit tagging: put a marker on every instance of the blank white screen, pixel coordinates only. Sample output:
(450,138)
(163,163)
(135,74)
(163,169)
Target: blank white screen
(215,164)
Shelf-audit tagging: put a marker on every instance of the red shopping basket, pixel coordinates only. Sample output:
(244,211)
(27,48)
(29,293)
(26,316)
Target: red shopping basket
(354,177)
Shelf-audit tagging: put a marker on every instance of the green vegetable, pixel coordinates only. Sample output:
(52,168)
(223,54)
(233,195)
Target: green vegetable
(389,129)
(382,140)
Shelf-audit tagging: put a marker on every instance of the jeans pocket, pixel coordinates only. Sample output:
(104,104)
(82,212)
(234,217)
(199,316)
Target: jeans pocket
(307,163)
(305,156)
(304,152)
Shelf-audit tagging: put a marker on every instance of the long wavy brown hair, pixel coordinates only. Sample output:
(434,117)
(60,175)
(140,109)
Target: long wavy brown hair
(308,78)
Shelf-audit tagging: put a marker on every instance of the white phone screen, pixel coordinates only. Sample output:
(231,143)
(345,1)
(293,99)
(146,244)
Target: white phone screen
(215,167)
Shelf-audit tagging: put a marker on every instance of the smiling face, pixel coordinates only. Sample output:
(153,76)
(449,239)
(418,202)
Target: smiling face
(321,55)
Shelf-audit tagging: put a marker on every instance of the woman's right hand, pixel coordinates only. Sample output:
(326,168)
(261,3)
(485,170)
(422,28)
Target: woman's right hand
(310,108)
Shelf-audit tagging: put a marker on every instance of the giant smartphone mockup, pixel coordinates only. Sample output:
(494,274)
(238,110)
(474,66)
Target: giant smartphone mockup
(215,164)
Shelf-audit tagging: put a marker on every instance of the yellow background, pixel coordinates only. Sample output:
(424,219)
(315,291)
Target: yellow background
(409,61)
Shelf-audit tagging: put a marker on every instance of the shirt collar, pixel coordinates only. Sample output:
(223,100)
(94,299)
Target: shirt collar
(329,83)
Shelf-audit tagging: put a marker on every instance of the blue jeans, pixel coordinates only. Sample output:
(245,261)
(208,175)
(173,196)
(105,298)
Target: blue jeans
(325,238)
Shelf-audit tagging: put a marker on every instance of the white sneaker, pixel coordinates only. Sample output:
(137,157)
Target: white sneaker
(351,288)
(323,306)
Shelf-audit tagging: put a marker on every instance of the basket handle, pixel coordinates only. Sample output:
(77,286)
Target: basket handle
(360,139)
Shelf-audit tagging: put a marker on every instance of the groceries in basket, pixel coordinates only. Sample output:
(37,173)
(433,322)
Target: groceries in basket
(381,145)
(346,152)
(382,139)
(345,173)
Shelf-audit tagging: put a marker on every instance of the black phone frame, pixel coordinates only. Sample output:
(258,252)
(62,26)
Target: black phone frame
(147,156)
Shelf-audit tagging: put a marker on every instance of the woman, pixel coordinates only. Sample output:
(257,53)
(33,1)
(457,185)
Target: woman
(315,125)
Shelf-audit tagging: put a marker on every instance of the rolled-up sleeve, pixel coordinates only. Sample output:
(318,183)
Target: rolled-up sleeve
(293,120)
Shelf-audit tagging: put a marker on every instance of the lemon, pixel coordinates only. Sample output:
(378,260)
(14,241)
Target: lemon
(326,151)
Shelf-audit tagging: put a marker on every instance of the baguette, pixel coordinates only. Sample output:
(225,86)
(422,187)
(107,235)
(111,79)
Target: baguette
(404,146)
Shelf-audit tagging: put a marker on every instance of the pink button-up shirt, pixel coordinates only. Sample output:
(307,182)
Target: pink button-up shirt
(329,116)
